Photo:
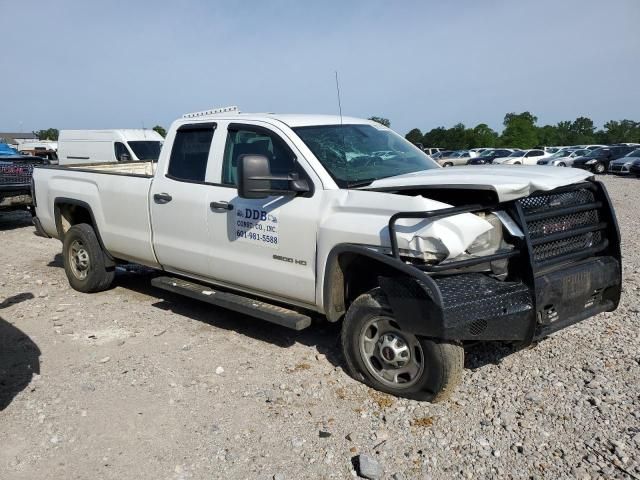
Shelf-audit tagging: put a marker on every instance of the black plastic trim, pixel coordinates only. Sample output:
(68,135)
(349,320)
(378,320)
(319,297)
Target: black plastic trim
(58,219)
(429,286)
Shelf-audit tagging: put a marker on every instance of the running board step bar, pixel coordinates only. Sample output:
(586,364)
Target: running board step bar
(237,303)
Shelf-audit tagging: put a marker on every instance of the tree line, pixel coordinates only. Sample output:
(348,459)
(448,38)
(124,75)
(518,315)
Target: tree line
(521,131)
(53,133)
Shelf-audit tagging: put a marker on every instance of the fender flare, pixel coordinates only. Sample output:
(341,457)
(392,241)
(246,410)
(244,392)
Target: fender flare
(58,219)
(333,299)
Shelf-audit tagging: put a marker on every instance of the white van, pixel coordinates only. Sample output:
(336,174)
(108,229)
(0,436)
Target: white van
(101,146)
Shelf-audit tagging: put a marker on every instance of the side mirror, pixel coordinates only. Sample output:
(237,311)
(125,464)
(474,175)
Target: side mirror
(124,157)
(253,176)
(255,179)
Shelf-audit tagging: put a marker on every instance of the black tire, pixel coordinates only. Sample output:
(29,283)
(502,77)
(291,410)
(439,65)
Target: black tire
(85,261)
(562,164)
(517,163)
(443,362)
(447,164)
(599,168)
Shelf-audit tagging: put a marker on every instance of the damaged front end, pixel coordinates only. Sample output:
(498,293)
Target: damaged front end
(546,261)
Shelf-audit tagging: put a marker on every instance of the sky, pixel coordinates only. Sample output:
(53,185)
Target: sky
(128,64)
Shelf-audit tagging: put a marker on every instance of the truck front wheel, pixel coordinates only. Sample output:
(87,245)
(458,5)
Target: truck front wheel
(85,261)
(380,354)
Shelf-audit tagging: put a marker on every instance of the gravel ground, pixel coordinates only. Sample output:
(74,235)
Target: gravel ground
(138,383)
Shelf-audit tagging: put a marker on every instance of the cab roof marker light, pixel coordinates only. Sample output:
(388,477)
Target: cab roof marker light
(213,111)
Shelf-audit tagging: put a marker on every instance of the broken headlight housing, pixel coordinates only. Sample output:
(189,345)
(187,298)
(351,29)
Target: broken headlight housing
(490,241)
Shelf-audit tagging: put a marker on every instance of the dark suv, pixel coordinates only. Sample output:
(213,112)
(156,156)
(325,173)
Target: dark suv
(598,160)
(488,156)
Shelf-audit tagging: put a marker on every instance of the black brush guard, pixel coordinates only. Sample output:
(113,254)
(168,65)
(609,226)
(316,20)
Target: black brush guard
(565,268)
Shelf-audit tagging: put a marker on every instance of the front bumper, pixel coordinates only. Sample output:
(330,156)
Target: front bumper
(619,169)
(568,269)
(15,196)
(584,166)
(478,307)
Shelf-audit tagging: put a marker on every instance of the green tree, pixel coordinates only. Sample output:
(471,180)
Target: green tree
(623,131)
(481,136)
(48,134)
(160,129)
(414,135)
(582,129)
(548,135)
(456,137)
(564,133)
(436,137)
(381,120)
(520,130)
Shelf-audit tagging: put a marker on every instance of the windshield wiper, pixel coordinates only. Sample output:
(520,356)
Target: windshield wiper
(360,183)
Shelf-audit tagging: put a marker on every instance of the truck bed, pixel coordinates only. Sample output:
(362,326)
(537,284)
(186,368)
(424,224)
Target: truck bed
(117,195)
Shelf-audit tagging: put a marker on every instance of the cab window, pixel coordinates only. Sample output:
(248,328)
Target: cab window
(256,141)
(122,153)
(190,152)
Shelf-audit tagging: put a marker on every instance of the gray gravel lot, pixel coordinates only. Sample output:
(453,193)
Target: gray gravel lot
(138,383)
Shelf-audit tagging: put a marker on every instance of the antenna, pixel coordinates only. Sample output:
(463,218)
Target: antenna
(341,129)
(339,102)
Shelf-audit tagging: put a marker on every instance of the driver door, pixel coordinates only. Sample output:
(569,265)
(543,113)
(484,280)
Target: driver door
(265,245)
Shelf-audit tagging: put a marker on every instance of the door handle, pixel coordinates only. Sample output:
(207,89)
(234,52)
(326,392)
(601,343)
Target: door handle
(215,206)
(162,198)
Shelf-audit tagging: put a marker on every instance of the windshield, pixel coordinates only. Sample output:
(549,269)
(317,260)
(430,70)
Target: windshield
(517,154)
(486,153)
(360,154)
(146,149)
(634,153)
(596,153)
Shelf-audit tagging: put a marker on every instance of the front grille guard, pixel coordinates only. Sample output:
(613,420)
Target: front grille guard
(596,237)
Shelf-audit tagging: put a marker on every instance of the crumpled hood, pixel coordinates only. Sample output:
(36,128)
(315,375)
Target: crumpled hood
(509,182)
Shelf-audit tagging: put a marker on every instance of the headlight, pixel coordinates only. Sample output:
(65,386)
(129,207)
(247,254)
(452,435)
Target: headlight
(490,241)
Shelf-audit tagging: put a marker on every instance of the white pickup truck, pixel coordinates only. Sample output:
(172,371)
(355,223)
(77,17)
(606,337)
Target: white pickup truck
(285,217)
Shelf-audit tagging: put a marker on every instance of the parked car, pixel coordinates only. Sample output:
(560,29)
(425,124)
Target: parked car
(15,178)
(488,156)
(563,158)
(598,160)
(417,261)
(442,153)
(523,157)
(99,146)
(622,166)
(479,150)
(432,150)
(460,157)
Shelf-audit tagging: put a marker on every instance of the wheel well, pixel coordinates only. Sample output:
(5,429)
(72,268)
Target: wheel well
(69,214)
(349,277)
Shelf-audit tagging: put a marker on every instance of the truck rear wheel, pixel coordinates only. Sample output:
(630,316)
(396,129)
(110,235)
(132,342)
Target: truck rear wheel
(380,354)
(85,261)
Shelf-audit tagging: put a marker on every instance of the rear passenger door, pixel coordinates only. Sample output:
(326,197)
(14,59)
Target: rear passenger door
(178,200)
